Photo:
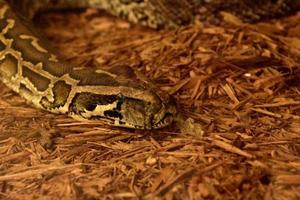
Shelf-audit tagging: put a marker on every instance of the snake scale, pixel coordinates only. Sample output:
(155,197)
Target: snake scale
(117,95)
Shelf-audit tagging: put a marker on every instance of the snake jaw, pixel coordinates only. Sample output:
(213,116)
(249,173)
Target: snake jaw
(165,116)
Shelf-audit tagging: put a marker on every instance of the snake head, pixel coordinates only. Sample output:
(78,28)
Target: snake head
(151,113)
(126,98)
(144,110)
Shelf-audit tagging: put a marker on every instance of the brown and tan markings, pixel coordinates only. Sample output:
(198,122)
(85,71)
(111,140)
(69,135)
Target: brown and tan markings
(61,91)
(9,66)
(117,95)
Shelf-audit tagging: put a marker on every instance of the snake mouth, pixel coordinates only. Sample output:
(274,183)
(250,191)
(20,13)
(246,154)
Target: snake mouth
(167,119)
(165,116)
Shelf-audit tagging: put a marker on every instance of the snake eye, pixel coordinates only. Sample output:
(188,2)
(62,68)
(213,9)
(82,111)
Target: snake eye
(91,107)
(113,114)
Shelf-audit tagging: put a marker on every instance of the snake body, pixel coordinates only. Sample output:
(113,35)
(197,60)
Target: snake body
(119,96)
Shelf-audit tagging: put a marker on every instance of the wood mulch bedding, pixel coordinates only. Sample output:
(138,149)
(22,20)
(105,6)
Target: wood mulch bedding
(237,85)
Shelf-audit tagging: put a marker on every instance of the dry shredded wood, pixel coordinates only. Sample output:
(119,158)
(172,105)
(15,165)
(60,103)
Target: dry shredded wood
(237,85)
